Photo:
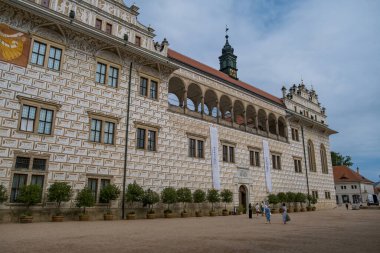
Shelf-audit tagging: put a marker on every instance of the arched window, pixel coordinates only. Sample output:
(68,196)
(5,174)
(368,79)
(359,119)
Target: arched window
(324,160)
(310,149)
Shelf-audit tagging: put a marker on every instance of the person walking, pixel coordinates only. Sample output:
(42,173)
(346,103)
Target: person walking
(257,209)
(284,213)
(267,213)
(262,208)
(250,210)
(347,206)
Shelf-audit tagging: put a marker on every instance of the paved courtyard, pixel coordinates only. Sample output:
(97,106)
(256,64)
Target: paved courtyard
(336,230)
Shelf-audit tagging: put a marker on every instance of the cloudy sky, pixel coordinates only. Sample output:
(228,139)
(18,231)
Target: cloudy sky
(333,45)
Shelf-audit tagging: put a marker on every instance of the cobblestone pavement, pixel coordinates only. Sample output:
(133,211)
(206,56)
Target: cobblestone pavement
(337,230)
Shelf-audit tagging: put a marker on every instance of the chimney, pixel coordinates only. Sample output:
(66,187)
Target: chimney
(357,170)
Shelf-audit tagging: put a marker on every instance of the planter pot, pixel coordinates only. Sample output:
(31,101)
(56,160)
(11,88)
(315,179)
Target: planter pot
(108,216)
(302,209)
(213,213)
(185,215)
(290,210)
(198,214)
(313,208)
(225,213)
(281,210)
(296,209)
(57,218)
(84,217)
(131,216)
(150,215)
(273,210)
(169,215)
(26,219)
(308,208)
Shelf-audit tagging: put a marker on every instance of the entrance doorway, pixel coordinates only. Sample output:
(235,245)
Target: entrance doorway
(243,193)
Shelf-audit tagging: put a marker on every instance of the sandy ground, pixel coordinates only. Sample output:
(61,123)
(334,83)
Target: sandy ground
(336,230)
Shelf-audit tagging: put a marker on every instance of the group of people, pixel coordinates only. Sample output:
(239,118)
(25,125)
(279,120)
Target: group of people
(264,209)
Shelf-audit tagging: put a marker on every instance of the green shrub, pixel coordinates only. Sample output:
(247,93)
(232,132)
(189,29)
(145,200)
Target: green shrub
(213,197)
(199,196)
(169,196)
(3,194)
(109,193)
(273,199)
(134,193)
(311,199)
(85,198)
(149,199)
(281,197)
(29,195)
(300,197)
(227,197)
(59,192)
(184,196)
(290,197)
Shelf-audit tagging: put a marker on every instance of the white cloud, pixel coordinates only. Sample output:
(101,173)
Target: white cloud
(333,45)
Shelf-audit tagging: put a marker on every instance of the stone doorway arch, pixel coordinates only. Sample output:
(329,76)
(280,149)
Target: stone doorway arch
(243,197)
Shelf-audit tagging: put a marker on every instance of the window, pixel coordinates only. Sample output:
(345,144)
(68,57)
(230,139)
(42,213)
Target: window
(37,116)
(228,153)
(146,137)
(254,158)
(196,148)
(96,185)
(314,194)
(102,128)
(153,89)
(101,73)
(108,28)
(46,54)
(327,195)
(276,162)
(297,165)
(310,149)
(107,73)
(343,187)
(354,187)
(45,3)
(324,160)
(295,136)
(148,88)
(98,24)
(28,170)
(138,41)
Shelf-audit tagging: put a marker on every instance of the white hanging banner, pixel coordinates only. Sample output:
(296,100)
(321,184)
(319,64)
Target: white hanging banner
(215,157)
(267,168)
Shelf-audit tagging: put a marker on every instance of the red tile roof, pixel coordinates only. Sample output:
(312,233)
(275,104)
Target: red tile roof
(345,174)
(216,73)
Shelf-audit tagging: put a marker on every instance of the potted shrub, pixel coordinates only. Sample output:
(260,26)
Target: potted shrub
(133,194)
(273,200)
(300,198)
(184,196)
(213,197)
(59,192)
(3,194)
(199,196)
(149,199)
(281,199)
(226,196)
(314,201)
(109,193)
(84,199)
(290,198)
(29,195)
(169,196)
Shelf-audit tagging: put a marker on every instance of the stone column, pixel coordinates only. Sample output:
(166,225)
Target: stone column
(245,120)
(257,122)
(184,101)
(277,130)
(217,112)
(267,126)
(202,106)
(232,116)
